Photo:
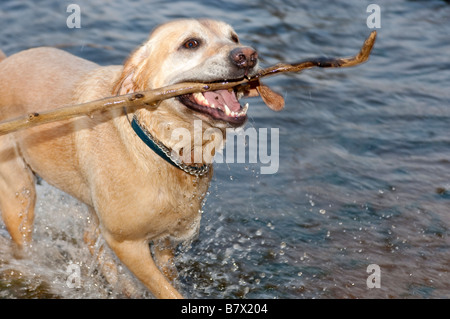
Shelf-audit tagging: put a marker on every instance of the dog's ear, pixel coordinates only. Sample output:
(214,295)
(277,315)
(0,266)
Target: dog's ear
(272,99)
(128,83)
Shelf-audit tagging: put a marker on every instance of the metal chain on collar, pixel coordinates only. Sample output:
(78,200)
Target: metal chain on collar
(190,169)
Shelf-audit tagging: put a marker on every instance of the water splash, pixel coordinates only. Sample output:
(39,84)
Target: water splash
(57,244)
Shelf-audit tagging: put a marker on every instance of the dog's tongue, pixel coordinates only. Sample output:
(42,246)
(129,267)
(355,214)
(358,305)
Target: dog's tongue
(223,97)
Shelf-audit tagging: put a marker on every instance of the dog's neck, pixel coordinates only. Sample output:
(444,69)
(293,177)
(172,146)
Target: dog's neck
(187,145)
(165,153)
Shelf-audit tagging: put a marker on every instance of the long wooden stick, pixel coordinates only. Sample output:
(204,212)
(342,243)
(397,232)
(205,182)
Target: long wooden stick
(361,57)
(152,97)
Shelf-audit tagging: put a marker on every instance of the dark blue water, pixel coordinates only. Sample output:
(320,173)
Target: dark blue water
(364,163)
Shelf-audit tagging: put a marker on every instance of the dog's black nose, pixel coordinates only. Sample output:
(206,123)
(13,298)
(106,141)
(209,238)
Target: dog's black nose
(244,57)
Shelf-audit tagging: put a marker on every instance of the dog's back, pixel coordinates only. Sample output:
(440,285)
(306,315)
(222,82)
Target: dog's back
(48,75)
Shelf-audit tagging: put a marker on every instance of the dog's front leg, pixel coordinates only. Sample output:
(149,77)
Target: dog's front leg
(163,253)
(136,255)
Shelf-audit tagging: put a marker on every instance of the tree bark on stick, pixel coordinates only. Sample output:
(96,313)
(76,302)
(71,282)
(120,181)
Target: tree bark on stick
(151,98)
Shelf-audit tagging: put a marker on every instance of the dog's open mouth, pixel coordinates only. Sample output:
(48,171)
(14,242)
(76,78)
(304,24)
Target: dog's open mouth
(220,105)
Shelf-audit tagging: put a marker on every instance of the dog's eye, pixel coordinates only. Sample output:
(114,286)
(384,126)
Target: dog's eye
(191,44)
(234,38)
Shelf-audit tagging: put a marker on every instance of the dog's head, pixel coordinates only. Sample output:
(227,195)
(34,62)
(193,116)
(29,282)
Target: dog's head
(193,51)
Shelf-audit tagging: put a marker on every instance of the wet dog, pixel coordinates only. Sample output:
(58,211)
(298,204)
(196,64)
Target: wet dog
(119,162)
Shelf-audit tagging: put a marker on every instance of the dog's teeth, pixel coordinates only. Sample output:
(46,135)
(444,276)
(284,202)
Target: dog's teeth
(227,110)
(200,99)
(213,106)
(244,109)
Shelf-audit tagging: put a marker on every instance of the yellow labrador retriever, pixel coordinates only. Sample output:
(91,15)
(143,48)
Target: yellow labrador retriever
(120,162)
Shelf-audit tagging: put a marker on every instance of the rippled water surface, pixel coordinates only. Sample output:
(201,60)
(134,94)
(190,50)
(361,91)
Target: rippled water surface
(364,163)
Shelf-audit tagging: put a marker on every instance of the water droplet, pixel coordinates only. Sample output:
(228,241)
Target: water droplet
(322,211)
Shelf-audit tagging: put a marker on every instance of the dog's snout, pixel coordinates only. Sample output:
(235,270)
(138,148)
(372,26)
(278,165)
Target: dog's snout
(244,57)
